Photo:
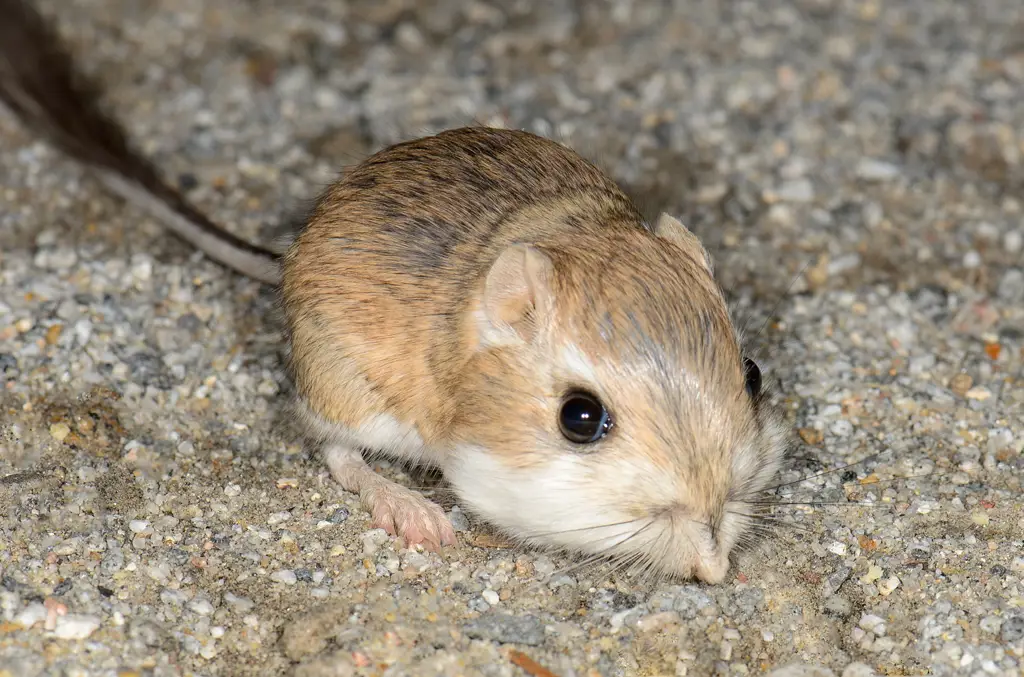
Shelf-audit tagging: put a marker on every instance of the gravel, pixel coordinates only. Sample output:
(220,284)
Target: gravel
(856,169)
(507,629)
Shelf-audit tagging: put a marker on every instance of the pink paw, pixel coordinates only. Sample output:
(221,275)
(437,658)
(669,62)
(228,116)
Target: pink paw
(411,517)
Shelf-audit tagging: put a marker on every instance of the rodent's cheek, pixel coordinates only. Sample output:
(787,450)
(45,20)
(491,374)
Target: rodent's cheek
(568,499)
(757,463)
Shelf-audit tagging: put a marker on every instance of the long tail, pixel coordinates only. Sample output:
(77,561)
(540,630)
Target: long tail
(40,85)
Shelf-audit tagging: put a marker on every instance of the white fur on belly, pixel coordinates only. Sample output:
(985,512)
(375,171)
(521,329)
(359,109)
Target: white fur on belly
(378,433)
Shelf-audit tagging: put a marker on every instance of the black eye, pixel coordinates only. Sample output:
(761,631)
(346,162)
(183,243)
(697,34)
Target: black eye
(583,419)
(753,375)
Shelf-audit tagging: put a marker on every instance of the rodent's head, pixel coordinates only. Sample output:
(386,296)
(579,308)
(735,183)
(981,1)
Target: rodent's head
(609,410)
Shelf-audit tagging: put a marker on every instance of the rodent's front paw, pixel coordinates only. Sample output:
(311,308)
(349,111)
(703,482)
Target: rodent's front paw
(410,516)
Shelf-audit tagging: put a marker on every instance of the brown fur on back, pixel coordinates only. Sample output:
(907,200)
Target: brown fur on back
(378,286)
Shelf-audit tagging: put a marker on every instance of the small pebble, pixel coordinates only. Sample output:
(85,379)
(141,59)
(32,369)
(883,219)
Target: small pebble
(76,626)
(797,190)
(873,574)
(201,607)
(30,615)
(1012,629)
(459,520)
(279,518)
(60,431)
(876,170)
(873,624)
(886,587)
(961,383)
(286,576)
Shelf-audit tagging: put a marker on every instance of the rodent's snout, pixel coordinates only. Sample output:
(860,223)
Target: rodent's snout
(693,549)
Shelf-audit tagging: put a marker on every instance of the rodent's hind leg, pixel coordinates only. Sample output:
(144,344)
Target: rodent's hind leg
(400,511)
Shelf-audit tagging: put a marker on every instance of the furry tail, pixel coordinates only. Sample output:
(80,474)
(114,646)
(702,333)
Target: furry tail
(40,85)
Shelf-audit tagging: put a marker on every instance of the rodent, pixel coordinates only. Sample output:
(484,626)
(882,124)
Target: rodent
(488,302)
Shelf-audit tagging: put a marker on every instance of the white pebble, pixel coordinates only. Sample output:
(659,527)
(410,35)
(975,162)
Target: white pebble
(30,615)
(877,170)
(175,597)
(138,526)
(232,490)
(201,607)
(873,624)
(286,576)
(543,565)
(1013,242)
(886,587)
(490,596)
(372,540)
(841,428)
(242,604)
(972,259)
(978,393)
(76,626)
(279,517)
(415,561)
(797,190)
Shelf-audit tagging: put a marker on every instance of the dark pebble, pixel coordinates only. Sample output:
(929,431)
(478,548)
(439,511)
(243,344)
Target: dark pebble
(62,587)
(189,322)
(304,575)
(339,516)
(178,556)
(105,591)
(7,361)
(998,570)
(1013,629)
(187,181)
(622,601)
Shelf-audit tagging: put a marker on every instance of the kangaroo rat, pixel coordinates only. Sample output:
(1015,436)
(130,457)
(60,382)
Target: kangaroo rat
(487,302)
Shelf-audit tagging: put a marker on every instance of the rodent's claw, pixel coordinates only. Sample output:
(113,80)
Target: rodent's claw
(399,511)
(411,517)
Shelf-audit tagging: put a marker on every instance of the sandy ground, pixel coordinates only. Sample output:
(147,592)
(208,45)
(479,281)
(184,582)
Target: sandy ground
(159,514)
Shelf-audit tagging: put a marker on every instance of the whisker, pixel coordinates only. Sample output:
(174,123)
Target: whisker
(542,534)
(605,551)
(891,480)
(826,472)
(782,299)
(850,504)
(772,522)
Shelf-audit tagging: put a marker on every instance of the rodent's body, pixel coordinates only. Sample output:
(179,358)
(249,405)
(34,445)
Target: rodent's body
(378,286)
(488,302)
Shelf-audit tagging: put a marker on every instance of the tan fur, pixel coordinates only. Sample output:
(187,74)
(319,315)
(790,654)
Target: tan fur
(462,283)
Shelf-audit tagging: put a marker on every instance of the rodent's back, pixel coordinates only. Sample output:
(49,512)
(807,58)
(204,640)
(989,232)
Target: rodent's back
(377,284)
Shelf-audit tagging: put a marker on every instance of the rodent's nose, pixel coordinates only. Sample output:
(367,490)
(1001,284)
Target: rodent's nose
(712,570)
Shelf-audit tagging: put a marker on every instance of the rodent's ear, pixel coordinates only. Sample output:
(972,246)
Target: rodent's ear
(517,291)
(671,228)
